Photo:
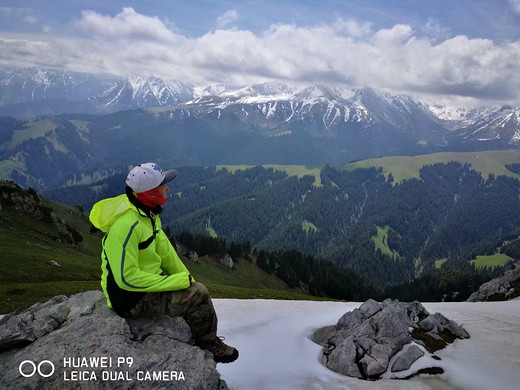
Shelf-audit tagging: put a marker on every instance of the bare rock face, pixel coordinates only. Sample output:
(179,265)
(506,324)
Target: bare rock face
(28,202)
(79,343)
(365,340)
(227,261)
(502,288)
(194,257)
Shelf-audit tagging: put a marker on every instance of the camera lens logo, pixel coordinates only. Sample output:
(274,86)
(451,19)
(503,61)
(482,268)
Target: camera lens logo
(28,368)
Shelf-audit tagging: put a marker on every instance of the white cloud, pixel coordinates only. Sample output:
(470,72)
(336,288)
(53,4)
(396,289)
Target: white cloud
(344,52)
(9,11)
(515,4)
(30,19)
(352,27)
(128,24)
(435,31)
(24,14)
(225,20)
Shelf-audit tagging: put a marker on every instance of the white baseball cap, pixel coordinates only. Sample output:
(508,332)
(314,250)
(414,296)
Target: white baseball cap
(146,177)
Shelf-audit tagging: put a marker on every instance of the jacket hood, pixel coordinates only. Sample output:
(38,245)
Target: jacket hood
(105,212)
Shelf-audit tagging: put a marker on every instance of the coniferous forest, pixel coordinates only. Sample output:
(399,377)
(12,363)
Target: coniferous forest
(352,233)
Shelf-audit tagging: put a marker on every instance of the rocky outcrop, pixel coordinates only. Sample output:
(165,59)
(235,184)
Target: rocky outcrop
(78,343)
(502,288)
(227,261)
(28,202)
(193,256)
(14,196)
(364,341)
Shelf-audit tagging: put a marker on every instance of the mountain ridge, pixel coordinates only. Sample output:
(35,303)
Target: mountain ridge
(114,93)
(262,124)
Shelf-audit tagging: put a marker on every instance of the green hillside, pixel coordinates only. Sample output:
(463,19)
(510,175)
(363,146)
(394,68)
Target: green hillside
(447,205)
(490,261)
(31,247)
(407,167)
(381,242)
(291,170)
(38,263)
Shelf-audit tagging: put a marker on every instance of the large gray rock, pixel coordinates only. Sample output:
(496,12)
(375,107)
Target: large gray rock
(502,288)
(72,334)
(364,340)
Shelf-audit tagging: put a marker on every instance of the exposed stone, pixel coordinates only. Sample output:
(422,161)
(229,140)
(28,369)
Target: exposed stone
(370,307)
(502,288)
(364,340)
(28,202)
(227,261)
(407,358)
(66,329)
(321,335)
(193,256)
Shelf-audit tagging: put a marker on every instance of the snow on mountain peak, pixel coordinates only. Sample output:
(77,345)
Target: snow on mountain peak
(321,93)
(459,116)
(329,104)
(209,90)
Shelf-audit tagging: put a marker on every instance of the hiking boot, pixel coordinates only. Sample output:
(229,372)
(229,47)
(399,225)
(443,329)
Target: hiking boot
(222,353)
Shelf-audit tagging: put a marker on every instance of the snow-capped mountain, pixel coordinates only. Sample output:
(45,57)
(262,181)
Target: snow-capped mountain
(221,95)
(455,117)
(270,109)
(142,92)
(32,84)
(91,93)
(321,110)
(500,125)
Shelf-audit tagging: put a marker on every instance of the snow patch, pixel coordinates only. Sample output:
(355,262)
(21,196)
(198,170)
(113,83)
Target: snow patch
(275,352)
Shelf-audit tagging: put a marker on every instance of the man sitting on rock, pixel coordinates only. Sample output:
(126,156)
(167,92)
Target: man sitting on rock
(142,275)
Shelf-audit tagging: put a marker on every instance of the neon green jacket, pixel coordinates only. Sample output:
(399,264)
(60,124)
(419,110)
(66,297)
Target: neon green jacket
(134,259)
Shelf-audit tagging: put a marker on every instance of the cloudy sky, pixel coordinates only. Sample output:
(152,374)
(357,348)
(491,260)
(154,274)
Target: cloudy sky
(447,50)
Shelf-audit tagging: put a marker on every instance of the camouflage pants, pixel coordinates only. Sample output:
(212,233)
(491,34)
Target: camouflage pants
(193,304)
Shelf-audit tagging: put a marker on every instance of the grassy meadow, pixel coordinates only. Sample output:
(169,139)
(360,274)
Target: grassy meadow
(380,241)
(490,261)
(291,170)
(407,167)
(28,248)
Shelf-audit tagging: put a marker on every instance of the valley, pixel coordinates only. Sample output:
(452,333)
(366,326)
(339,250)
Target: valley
(376,187)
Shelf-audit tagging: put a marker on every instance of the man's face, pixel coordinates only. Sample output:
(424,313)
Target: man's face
(163,190)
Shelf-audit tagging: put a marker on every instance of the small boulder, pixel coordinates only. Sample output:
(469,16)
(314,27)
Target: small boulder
(227,261)
(193,256)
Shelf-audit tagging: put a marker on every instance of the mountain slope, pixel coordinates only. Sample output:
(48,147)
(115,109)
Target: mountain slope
(445,214)
(388,224)
(51,251)
(177,124)
(32,92)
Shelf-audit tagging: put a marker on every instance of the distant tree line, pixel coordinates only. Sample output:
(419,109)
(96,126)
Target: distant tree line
(449,212)
(441,285)
(515,168)
(316,276)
